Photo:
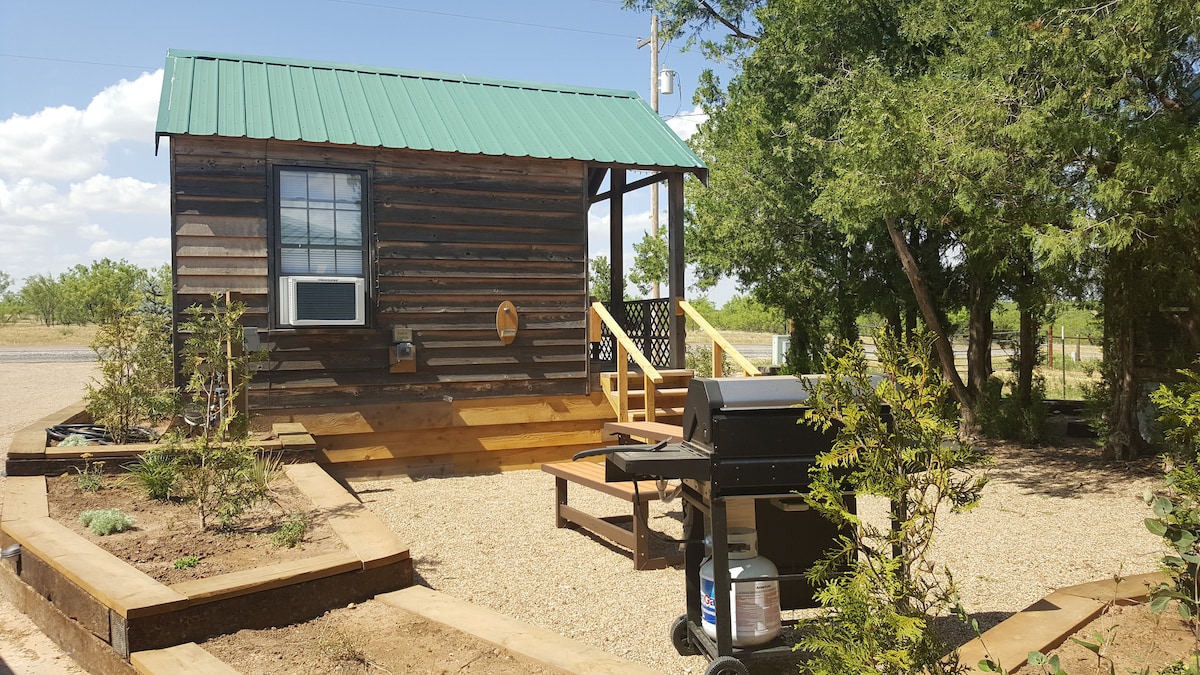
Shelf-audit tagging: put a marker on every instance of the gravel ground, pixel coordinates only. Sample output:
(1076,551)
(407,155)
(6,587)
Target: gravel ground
(1049,518)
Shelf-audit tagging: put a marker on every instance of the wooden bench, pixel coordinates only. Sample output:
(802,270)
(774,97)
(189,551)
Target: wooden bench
(591,475)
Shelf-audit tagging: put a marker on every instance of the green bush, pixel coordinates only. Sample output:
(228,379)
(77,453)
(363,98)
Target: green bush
(187,562)
(291,532)
(106,521)
(157,472)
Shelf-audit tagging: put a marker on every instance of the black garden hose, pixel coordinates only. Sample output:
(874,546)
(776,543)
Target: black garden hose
(99,434)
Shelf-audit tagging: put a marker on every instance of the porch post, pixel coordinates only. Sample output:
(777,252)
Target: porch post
(616,245)
(675,278)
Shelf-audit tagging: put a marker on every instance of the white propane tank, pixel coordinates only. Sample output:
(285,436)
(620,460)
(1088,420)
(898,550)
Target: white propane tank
(753,605)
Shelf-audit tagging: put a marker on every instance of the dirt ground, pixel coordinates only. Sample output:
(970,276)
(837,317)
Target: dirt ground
(1131,639)
(166,532)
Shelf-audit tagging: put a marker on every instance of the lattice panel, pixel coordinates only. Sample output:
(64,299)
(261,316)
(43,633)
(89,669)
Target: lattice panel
(648,324)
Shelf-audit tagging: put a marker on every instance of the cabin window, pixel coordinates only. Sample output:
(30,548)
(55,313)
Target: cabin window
(322,248)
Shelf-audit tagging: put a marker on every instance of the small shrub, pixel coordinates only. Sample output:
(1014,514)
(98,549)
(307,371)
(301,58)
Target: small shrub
(187,562)
(220,479)
(104,522)
(157,472)
(291,532)
(73,441)
(340,646)
(91,477)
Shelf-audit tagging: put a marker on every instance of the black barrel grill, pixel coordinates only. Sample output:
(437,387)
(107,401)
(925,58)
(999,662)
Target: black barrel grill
(743,437)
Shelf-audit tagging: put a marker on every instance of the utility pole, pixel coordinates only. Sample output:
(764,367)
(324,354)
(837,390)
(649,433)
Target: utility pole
(653,42)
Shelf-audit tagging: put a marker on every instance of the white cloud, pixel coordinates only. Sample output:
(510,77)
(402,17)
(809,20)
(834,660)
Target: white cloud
(92,232)
(685,124)
(147,252)
(68,143)
(120,195)
(32,202)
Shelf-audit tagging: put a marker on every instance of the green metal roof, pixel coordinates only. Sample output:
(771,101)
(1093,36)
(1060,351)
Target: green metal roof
(256,97)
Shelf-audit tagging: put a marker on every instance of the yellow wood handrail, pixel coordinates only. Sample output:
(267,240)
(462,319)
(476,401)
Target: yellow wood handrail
(626,348)
(623,340)
(721,347)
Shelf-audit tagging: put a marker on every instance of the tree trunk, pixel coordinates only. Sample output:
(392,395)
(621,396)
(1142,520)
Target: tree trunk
(979,340)
(968,423)
(1027,355)
(1124,440)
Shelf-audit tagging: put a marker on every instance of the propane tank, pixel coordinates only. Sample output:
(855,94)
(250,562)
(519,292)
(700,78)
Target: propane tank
(753,605)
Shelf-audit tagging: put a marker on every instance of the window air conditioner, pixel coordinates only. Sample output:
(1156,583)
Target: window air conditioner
(322,301)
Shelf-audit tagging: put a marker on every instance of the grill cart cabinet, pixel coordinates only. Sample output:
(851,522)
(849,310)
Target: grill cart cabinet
(744,462)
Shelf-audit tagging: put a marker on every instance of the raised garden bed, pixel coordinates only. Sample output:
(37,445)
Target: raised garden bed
(100,609)
(32,454)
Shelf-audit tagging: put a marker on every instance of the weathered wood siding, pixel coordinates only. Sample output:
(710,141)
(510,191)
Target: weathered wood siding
(454,236)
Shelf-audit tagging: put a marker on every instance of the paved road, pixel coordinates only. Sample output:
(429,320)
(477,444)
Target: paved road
(56,354)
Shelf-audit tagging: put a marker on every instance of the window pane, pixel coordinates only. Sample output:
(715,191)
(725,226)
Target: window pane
(293,261)
(349,263)
(320,228)
(321,261)
(293,226)
(320,187)
(293,188)
(349,228)
(348,188)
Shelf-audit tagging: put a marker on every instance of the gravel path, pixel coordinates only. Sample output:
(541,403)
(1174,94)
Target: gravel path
(1049,518)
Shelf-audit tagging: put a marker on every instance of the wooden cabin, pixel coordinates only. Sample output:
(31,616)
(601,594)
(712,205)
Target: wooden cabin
(412,248)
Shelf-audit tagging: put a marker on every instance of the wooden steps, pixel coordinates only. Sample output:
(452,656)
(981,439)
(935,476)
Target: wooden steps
(670,395)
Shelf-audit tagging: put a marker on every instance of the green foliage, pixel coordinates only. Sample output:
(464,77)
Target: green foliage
(104,522)
(699,358)
(747,314)
(599,278)
(136,384)
(221,479)
(157,472)
(187,562)
(291,531)
(879,586)
(44,296)
(218,471)
(216,375)
(73,441)
(91,477)
(650,262)
(1177,509)
(1006,417)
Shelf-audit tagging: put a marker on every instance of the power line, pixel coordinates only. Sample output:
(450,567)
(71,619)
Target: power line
(86,63)
(483,18)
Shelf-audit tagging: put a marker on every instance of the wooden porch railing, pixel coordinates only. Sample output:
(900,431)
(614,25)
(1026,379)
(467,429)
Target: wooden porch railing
(721,347)
(626,349)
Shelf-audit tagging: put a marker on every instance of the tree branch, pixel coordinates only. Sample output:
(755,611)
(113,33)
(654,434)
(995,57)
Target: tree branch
(733,28)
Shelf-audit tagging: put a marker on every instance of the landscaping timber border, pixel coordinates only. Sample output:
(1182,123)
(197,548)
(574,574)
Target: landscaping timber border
(96,606)
(32,455)
(1048,622)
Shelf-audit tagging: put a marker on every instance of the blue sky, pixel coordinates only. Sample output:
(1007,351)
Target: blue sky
(79,87)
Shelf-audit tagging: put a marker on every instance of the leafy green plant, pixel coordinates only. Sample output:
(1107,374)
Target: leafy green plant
(187,562)
(1177,508)
(133,349)
(218,478)
(291,532)
(73,441)
(157,472)
(879,586)
(91,477)
(104,522)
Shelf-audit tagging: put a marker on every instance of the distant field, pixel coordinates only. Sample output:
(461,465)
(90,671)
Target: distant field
(28,333)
